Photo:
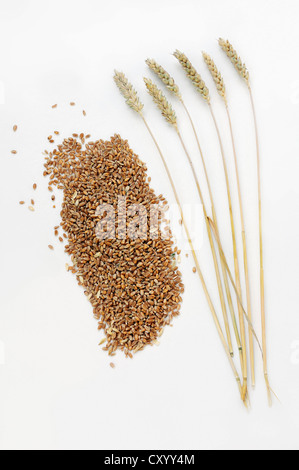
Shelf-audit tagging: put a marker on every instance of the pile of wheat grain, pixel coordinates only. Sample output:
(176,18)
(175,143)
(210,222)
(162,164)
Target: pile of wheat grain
(133,285)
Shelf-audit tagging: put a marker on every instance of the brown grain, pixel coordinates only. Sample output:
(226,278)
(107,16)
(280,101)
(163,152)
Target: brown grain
(132,284)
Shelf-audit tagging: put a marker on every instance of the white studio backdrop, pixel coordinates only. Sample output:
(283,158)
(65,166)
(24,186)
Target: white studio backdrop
(57,390)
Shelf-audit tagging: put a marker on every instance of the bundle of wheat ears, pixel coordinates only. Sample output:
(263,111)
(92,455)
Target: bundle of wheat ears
(228,281)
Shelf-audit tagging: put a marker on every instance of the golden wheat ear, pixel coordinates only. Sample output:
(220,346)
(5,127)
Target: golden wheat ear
(216,75)
(234,58)
(159,99)
(165,77)
(128,92)
(193,75)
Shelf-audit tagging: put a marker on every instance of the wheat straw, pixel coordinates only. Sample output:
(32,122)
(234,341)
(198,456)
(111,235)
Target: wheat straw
(193,75)
(235,252)
(174,89)
(167,112)
(241,68)
(218,79)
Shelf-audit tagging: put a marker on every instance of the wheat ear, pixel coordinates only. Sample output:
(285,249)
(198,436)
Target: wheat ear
(193,75)
(165,77)
(167,112)
(234,58)
(169,82)
(204,285)
(241,68)
(217,77)
(162,103)
(128,91)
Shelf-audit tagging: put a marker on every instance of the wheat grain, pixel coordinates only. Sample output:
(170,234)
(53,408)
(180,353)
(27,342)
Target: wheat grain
(193,75)
(131,284)
(235,59)
(165,77)
(162,103)
(217,77)
(128,91)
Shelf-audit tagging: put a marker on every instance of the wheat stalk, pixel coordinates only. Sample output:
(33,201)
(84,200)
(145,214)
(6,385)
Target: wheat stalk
(167,112)
(174,89)
(193,75)
(241,68)
(204,285)
(235,252)
(217,77)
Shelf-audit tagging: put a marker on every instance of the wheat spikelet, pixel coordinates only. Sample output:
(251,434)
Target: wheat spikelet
(193,75)
(164,76)
(217,77)
(161,102)
(128,91)
(235,59)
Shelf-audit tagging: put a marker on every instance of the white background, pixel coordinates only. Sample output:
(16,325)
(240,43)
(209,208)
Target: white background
(57,390)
